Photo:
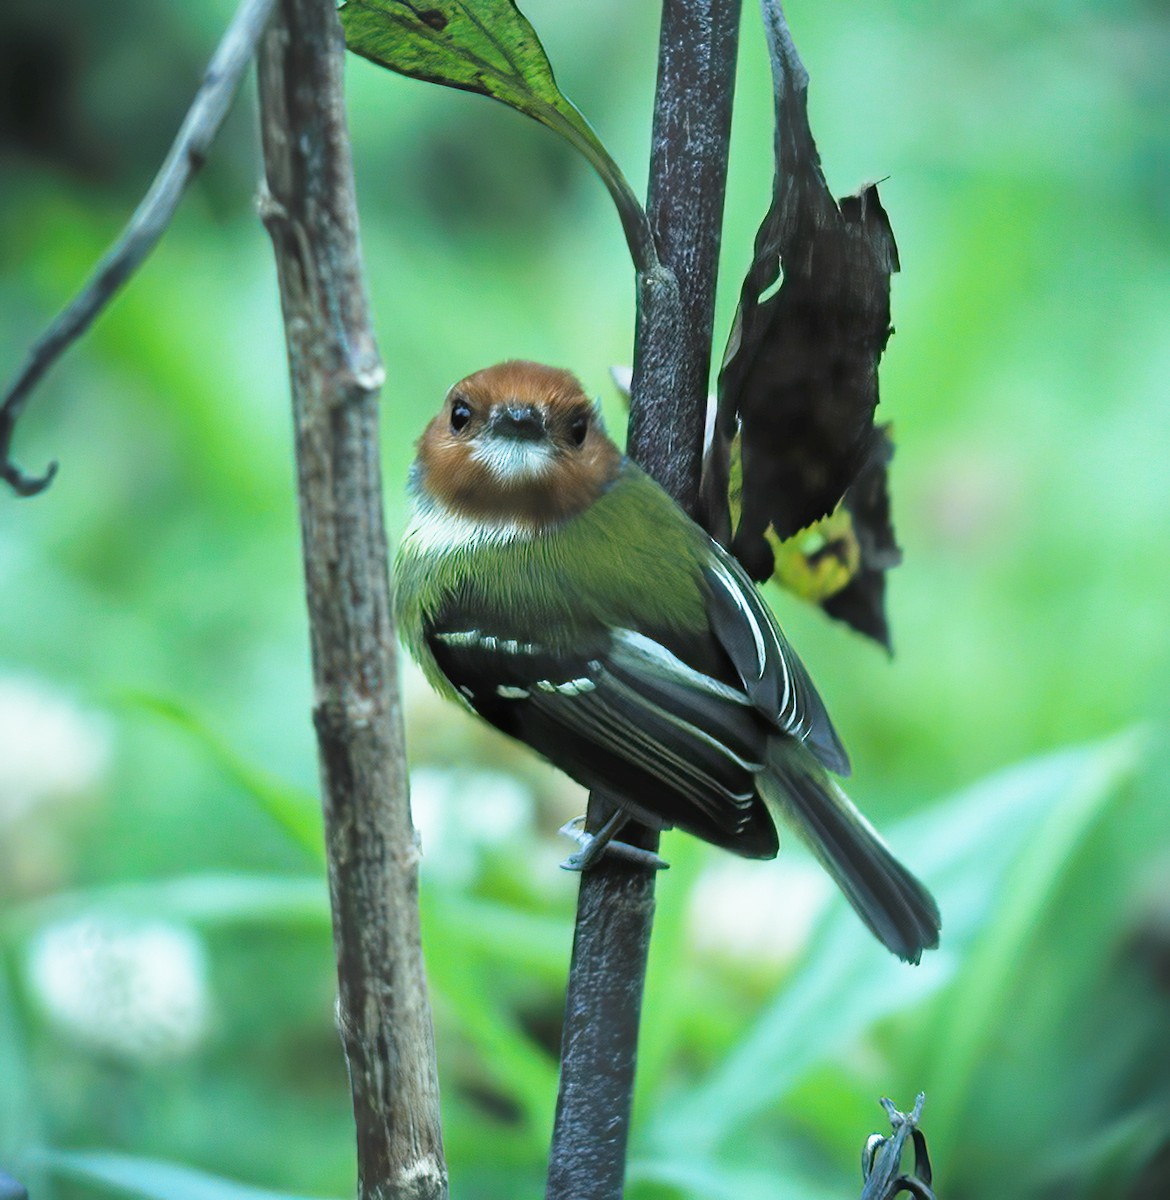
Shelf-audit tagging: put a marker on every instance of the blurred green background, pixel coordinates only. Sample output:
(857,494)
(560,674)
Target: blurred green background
(167,986)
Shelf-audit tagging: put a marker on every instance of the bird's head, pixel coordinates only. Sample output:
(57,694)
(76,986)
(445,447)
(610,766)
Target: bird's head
(517,442)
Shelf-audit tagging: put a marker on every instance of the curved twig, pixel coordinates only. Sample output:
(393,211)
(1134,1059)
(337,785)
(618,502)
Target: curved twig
(150,220)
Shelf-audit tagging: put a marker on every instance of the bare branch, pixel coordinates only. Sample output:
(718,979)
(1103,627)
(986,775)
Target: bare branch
(310,212)
(150,220)
(672,359)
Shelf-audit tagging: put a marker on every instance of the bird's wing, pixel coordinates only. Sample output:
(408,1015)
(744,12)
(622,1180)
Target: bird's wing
(772,674)
(625,715)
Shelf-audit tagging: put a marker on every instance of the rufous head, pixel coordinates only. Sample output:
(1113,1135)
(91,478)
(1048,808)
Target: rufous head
(517,442)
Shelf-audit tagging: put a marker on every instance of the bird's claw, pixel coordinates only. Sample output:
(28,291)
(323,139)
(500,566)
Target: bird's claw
(593,846)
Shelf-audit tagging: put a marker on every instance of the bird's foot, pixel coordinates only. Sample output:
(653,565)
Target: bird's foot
(594,845)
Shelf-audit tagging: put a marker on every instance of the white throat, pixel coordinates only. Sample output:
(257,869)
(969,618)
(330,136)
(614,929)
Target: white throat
(511,460)
(436,529)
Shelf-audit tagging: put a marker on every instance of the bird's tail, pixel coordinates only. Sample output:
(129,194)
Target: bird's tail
(898,909)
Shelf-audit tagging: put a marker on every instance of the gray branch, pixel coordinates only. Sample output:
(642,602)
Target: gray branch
(310,212)
(150,220)
(672,359)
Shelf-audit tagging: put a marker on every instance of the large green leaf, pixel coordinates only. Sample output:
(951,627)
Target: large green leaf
(209,900)
(149,1178)
(488,46)
(1025,894)
(967,850)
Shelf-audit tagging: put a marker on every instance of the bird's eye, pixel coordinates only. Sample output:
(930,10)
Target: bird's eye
(460,415)
(579,429)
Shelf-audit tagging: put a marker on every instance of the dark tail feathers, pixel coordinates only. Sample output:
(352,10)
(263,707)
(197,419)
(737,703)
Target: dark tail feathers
(901,913)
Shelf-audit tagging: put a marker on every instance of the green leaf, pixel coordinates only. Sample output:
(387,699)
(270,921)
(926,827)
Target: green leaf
(150,1178)
(967,850)
(205,900)
(1022,899)
(296,811)
(669,1003)
(463,937)
(687,1180)
(20,1115)
(514,1063)
(488,46)
(533,944)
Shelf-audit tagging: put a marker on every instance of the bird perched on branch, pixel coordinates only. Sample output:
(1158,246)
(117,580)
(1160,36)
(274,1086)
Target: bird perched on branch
(551,586)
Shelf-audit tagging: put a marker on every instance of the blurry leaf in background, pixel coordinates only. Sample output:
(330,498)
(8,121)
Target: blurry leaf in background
(1024,894)
(799,380)
(123,1174)
(20,1116)
(296,812)
(976,851)
(208,901)
(488,46)
(11,1189)
(685,1179)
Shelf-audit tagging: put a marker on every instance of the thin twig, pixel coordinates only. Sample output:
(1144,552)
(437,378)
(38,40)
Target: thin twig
(672,358)
(310,211)
(150,220)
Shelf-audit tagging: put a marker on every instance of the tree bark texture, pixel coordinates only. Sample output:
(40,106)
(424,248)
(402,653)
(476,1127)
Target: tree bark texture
(672,359)
(308,207)
(698,47)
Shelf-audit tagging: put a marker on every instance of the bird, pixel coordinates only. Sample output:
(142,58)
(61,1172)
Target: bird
(548,584)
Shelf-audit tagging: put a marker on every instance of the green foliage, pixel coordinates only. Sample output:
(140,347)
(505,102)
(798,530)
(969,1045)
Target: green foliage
(998,856)
(1027,383)
(294,809)
(150,1179)
(488,46)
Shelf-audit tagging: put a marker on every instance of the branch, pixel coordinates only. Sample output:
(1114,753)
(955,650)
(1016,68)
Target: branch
(698,46)
(672,360)
(150,220)
(310,212)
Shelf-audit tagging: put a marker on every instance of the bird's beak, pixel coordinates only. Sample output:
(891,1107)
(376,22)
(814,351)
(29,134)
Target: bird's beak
(519,422)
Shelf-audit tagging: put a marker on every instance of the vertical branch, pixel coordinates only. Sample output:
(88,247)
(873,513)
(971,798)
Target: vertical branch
(698,46)
(672,359)
(373,862)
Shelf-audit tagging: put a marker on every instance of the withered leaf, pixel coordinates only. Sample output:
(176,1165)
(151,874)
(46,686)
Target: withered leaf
(861,603)
(799,382)
(839,562)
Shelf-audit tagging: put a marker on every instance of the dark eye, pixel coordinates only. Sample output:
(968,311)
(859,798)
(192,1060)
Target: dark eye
(579,429)
(460,415)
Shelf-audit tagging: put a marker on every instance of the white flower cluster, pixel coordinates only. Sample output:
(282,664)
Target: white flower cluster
(757,912)
(50,748)
(136,990)
(460,812)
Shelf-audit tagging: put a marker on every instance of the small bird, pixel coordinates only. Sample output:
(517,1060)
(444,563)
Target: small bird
(547,583)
